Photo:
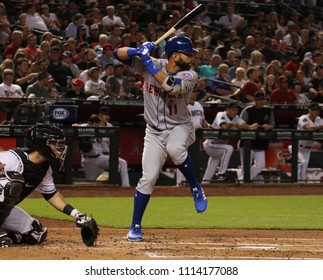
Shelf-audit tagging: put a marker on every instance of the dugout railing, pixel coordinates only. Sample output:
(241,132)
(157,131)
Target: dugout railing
(19,131)
(247,135)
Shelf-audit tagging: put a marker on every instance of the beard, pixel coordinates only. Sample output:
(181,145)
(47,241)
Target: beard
(183,65)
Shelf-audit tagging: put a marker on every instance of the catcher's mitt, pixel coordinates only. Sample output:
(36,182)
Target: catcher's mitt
(89,229)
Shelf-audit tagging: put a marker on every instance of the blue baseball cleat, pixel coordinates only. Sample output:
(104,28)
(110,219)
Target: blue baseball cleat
(199,199)
(134,233)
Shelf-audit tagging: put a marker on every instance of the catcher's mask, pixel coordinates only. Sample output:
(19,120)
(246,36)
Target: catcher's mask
(48,140)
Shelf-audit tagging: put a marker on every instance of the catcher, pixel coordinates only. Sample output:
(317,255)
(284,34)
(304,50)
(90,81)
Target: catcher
(25,170)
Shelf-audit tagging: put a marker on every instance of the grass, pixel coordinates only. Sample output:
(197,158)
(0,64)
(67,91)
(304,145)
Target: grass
(247,212)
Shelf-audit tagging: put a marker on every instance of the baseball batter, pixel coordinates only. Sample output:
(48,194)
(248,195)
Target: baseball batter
(25,170)
(311,121)
(169,131)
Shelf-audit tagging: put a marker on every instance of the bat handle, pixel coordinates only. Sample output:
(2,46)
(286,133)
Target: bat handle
(158,41)
(165,35)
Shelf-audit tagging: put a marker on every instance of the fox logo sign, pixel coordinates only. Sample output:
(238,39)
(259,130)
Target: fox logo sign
(60,114)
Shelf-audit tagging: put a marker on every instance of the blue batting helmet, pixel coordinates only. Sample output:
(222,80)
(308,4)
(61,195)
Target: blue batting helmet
(179,44)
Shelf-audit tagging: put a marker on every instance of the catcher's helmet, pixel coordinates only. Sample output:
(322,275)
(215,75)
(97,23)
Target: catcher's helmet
(179,44)
(48,140)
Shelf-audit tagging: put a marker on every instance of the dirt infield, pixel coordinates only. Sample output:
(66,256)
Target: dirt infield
(64,242)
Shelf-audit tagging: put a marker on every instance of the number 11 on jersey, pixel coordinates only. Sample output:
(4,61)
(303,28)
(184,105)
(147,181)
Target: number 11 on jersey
(172,109)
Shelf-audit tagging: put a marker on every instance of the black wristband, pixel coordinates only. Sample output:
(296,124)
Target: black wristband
(68,209)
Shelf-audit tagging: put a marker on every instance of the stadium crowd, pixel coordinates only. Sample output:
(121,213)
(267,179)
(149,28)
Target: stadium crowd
(64,48)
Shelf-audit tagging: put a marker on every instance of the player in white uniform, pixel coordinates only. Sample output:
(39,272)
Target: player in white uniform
(169,131)
(25,170)
(311,121)
(218,149)
(95,152)
(196,111)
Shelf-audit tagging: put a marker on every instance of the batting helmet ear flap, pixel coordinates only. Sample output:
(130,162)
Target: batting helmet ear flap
(180,44)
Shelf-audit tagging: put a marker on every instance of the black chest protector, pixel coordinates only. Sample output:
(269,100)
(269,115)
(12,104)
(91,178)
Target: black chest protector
(33,173)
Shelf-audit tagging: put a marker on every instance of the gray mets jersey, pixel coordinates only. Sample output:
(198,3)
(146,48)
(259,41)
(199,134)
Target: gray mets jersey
(161,110)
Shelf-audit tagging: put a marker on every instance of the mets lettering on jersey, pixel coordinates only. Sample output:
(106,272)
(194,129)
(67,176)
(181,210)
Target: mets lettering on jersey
(155,91)
(152,89)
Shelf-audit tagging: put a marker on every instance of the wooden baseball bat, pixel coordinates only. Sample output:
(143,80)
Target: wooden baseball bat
(187,18)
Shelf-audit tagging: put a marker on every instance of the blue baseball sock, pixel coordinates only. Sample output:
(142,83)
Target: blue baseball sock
(140,203)
(188,171)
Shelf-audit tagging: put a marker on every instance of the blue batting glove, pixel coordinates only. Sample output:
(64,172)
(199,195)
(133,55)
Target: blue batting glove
(144,55)
(149,45)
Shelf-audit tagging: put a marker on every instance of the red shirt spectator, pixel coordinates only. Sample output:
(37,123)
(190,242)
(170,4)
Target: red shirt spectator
(16,41)
(251,85)
(283,95)
(249,88)
(293,65)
